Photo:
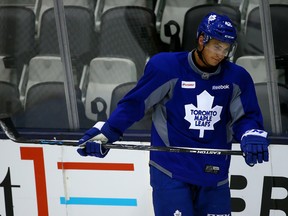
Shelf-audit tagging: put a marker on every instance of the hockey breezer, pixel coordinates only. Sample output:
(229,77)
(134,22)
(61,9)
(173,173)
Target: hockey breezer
(11,132)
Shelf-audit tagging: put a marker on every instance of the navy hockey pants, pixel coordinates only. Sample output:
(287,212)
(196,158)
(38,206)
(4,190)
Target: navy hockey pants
(175,198)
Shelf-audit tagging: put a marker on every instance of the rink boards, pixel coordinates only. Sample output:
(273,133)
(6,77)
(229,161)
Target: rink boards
(56,181)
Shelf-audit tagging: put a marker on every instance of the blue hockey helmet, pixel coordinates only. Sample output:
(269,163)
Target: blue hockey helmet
(219,27)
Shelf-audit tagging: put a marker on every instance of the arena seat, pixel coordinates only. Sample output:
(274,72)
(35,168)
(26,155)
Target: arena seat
(104,5)
(129,32)
(79,20)
(47,65)
(256,66)
(10,99)
(253,33)
(46,108)
(5,73)
(48,4)
(17,42)
(41,69)
(103,76)
(262,95)
(175,10)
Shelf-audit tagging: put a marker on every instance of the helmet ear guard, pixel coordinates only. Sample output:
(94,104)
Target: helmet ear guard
(206,38)
(232,50)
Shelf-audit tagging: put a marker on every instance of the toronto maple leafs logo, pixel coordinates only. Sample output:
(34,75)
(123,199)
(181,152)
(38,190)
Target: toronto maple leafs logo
(203,117)
(211,18)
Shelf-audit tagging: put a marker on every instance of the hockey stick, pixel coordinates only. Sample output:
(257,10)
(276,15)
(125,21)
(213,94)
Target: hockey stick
(11,132)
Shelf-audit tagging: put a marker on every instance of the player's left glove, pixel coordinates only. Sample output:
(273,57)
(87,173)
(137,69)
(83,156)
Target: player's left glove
(254,144)
(91,143)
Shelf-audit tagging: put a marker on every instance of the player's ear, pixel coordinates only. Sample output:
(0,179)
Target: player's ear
(200,41)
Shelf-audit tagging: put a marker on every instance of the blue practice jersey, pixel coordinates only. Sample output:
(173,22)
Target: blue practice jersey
(191,108)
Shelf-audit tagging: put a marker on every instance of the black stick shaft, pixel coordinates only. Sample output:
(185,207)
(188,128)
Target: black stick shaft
(11,132)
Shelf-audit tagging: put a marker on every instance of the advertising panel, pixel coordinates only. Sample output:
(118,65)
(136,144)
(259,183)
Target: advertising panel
(54,180)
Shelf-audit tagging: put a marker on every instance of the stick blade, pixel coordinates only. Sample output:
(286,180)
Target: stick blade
(9,128)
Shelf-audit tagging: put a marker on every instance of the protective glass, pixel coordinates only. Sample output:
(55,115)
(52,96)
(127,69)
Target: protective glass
(222,51)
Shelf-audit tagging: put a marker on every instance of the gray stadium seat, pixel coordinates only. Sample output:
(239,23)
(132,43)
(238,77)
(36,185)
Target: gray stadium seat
(262,95)
(251,4)
(17,42)
(46,108)
(81,36)
(104,5)
(5,73)
(253,34)
(104,75)
(256,66)
(10,101)
(129,32)
(175,10)
(24,3)
(47,4)
(47,65)
(41,69)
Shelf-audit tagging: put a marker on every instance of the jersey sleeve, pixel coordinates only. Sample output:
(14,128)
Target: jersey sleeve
(245,111)
(150,89)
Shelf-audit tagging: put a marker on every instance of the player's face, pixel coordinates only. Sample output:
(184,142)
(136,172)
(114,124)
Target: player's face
(215,51)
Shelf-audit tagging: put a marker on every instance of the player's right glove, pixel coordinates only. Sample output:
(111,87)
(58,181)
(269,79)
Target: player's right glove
(91,143)
(254,144)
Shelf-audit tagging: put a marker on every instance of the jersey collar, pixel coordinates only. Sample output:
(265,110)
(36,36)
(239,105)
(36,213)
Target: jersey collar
(203,74)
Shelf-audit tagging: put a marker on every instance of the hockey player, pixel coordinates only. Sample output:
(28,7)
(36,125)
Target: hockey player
(199,99)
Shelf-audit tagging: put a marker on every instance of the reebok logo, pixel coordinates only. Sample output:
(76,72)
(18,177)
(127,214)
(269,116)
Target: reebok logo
(219,87)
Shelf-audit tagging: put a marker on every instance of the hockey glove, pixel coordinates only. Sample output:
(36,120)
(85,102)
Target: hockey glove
(90,143)
(254,145)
